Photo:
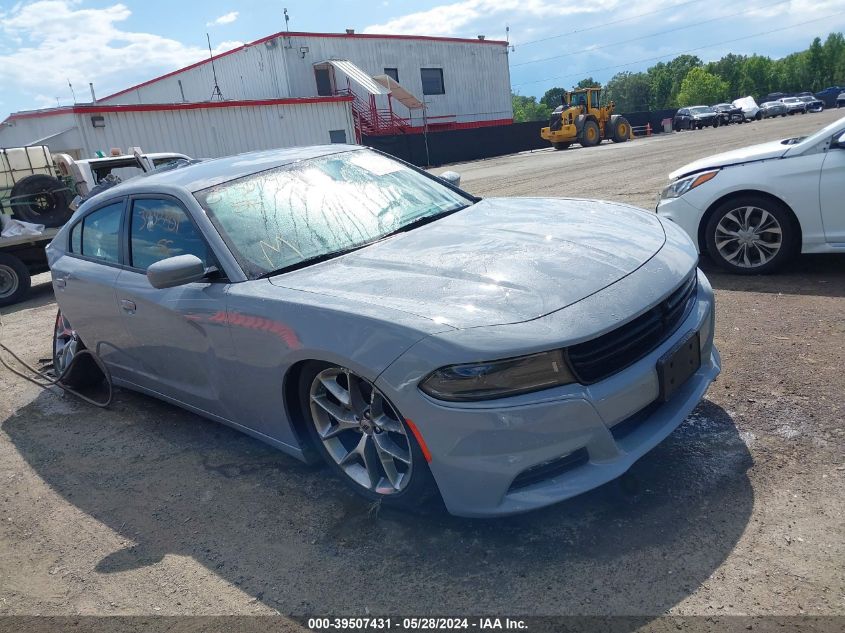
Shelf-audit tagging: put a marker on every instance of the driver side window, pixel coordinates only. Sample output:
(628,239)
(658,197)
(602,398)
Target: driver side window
(160,228)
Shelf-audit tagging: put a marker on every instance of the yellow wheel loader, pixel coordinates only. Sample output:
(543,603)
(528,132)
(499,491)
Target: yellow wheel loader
(580,119)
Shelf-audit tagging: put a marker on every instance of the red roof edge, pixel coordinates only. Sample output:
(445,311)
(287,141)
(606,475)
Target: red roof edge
(429,38)
(164,107)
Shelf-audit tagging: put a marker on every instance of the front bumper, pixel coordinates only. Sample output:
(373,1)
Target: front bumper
(686,215)
(479,451)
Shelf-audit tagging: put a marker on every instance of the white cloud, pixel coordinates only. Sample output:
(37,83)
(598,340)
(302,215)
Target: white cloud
(58,40)
(227,18)
(456,17)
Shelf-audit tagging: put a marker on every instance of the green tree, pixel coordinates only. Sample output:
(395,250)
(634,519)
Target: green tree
(527,109)
(757,77)
(701,87)
(834,60)
(730,69)
(631,92)
(552,96)
(815,66)
(587,82)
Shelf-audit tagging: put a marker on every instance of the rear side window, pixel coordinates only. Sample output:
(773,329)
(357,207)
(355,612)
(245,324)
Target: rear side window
(76,238)
(160,229)
(100,234)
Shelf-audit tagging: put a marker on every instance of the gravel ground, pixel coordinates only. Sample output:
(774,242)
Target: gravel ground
(145,509)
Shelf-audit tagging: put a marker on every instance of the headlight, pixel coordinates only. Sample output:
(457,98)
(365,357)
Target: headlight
(682,185)
(497,379)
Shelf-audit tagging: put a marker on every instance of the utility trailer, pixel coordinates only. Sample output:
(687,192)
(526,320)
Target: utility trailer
(30,190)
(20,258)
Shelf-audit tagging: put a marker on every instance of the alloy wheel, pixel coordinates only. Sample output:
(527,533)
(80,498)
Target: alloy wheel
(361,431)
(748,237)
(65,346)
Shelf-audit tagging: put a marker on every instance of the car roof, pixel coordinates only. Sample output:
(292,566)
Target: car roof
(215,171)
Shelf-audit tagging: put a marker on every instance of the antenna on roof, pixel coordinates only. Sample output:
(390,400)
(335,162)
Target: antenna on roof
(72,93)
(215,93)
(287,19)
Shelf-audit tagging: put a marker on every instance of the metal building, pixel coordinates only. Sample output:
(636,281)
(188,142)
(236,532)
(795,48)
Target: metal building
(462,82)
(201,130)
(288,89)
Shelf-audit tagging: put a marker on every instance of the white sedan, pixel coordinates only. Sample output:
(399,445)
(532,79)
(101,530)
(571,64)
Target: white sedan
(752,209)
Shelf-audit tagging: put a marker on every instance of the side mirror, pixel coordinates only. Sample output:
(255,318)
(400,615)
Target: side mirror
(452,177)
(176,271)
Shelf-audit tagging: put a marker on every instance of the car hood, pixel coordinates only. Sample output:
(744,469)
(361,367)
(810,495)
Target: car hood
(764,151)
(499,261)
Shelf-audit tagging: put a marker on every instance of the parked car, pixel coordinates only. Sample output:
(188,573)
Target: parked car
(695,117)
(752,209)
(812,104)
(828,95)
(774,96)
(793,105)
(840,100)
(337,303)
(728,113)
(749,108)
(773,108)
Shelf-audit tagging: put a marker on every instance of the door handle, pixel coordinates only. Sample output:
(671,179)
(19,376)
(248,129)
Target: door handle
(60,282)
(127,305)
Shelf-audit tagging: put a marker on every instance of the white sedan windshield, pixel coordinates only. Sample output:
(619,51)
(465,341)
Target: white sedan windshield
(284,217)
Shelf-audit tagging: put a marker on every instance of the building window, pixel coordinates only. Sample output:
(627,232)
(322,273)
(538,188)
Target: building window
(432,81)
(393,73)
(337,136)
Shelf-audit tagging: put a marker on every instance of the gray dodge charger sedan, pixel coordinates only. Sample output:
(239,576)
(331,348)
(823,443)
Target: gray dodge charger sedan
(505,353)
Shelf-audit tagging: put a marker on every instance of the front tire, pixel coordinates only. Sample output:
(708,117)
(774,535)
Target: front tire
(590,134)
(751,235)
(561,145)
(363,438)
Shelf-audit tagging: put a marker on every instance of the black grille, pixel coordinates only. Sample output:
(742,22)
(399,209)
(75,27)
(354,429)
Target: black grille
(550,469)
(601,357)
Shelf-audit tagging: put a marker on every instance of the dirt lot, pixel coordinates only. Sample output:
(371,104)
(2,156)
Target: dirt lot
(146,509)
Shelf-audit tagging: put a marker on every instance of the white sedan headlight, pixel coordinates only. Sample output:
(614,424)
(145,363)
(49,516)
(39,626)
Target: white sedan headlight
(682,185)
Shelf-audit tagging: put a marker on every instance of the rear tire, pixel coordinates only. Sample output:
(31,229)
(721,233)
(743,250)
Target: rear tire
(590,136)
(751,235)
(14,279)
(83,371)
(338,438)
(621,130)
(40,199)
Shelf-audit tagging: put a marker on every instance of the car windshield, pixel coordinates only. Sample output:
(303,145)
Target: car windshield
(700,110)
(289,216)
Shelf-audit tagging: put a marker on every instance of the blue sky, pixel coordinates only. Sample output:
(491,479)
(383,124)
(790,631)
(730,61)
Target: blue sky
(43,43)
